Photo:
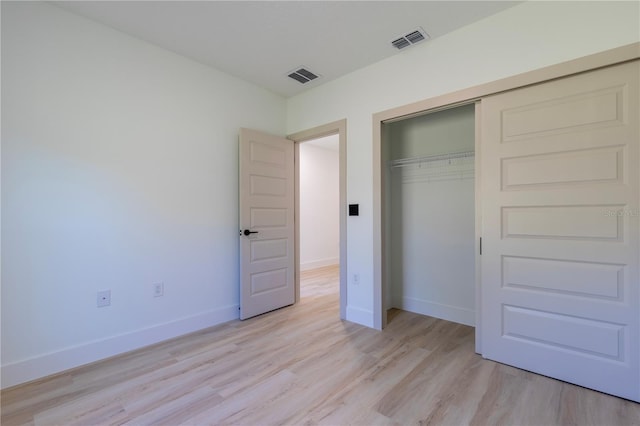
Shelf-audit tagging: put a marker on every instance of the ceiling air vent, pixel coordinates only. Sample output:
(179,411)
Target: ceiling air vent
(401,43)
(410,39)
(302,75)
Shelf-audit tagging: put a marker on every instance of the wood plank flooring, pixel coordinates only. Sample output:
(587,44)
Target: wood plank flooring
(303,366)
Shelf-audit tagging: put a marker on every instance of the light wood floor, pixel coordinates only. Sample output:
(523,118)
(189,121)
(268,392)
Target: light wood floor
(303,366)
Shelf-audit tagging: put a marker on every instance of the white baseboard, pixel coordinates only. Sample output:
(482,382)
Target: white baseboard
(319,263)
(360,316)
(437,310)
(54,362)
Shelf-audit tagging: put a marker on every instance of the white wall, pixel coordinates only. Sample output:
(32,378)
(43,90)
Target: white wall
(525,37)
(319,205)
(119,170)
(432,217)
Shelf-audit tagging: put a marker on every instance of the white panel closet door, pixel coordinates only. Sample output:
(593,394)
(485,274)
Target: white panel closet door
(560,187)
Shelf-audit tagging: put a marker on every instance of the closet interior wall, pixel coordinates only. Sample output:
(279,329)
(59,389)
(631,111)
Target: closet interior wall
(430,211)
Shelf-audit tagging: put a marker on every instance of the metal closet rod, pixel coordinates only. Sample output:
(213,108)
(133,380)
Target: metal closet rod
(430,158)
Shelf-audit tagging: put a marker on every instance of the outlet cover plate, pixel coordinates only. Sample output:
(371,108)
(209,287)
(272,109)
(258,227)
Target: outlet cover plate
(158,289)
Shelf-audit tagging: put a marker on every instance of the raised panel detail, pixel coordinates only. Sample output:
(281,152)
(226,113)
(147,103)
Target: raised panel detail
(586,166)
(271,155)
(564,331)
(559,199)
(268,218)
(563,222)
(268,249)
(588,279)
(268,281)
(270,186)
(573,113)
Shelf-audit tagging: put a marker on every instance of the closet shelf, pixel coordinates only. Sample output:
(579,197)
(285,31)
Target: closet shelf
(403,162)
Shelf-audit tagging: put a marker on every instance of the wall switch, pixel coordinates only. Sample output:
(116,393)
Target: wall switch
(158,289)
(104,298)
(356,279)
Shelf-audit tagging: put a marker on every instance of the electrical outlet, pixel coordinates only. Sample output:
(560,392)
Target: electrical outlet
(104,298)
(158,289)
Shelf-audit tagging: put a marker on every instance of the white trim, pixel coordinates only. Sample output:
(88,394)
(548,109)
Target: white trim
(55,362)
(319,263)
(438,310)
(360,316)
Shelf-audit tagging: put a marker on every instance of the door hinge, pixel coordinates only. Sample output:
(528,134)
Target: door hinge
(480,246)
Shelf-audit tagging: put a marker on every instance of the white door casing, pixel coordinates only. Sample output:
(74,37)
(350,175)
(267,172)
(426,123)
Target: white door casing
(560,224)
(266,186)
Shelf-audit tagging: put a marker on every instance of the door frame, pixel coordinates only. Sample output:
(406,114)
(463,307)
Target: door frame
(473,94)
(340,128)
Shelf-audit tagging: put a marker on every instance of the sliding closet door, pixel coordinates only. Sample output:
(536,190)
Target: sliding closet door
(560,215)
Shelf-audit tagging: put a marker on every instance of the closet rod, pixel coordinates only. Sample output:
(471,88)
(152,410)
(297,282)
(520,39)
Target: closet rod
(428,159)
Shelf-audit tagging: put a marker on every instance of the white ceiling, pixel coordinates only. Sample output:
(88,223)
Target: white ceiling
(261,41)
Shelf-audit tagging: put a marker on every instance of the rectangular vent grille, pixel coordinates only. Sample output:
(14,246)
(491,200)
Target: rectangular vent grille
(401,43)
(414,37)
(410,39)
(302,75)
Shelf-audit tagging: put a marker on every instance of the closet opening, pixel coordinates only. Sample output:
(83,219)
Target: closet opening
(429,214)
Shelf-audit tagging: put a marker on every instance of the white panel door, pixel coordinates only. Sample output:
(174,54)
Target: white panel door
(560,214)
(266,223)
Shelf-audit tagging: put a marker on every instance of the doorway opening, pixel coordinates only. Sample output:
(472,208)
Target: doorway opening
(317,148)
(319,162)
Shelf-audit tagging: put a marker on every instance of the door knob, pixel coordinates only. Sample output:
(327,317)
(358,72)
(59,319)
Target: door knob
(247,232)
